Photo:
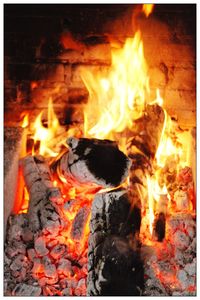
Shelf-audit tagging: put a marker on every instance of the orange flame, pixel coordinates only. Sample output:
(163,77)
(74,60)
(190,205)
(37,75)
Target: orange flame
(148,9)
(34,85)
(25,121)
(46,134)
(117,96)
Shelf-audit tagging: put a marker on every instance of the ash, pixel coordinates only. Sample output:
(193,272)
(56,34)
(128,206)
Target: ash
(170,266)
(40,264)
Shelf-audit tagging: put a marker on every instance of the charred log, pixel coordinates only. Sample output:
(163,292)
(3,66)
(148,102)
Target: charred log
(94,161)
(148,130)
(114,265)
(41,211)
(141,150)
(159,227)
(120,270)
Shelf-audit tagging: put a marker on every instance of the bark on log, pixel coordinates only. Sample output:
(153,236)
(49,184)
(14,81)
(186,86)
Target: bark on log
(94,161)
(42,212)
(114,265)
(148,129)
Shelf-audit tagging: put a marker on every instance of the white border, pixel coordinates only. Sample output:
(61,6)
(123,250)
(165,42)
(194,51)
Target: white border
(1,120)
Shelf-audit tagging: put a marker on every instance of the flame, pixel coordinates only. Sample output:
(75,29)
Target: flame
(25,121)
(45,134)
(34,85)
(118,95)
(147,9)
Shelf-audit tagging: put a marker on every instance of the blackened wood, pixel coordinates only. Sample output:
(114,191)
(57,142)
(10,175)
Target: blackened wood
(141,149)
(112,247)
(121,270)
(159,227)
(41,211)
(148,129)
(94,161)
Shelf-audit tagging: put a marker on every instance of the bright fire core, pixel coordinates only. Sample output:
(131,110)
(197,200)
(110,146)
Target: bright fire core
(117,97)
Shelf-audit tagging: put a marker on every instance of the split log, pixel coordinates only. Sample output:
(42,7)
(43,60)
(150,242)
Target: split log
(42,212)
(93,161)
(141,149)
(114,264)
(147,130)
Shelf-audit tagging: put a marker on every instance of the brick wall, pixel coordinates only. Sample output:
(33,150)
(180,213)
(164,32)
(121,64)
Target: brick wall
(38,65)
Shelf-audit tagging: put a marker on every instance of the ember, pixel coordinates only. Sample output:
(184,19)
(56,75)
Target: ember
(107,207)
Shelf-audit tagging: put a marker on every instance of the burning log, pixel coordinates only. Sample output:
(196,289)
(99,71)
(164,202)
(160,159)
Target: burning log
(93,161)
(160,218)
(114,266)
(41,211)
(148,130)
(159,227)
(141,150)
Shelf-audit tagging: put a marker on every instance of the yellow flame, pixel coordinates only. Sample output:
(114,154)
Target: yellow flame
(159,99)
(117,96)
(147,9)
(46,134)
(167,147)
(25,121)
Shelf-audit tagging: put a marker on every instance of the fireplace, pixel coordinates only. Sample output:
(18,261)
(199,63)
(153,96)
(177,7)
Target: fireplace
(99,150)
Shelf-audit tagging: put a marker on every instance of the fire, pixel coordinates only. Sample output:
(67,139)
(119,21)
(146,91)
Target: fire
(46,135)
(34,85)
(25,121)
(117,96)
(147,9)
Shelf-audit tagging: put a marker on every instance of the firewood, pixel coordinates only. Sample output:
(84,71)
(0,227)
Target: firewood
(147,130)
(141,149)
(41,211)
(111,242)
(159,226)
(94,161)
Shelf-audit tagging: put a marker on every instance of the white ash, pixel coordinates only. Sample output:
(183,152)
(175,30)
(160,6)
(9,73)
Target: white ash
(64,267)
(38,263)
(182,200)
(58,251)
(40,246)
(170,267)
(26,290)
(191,268)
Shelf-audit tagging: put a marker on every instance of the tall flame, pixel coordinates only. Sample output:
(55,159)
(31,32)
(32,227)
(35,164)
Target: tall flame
(117,96)
(46,134)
